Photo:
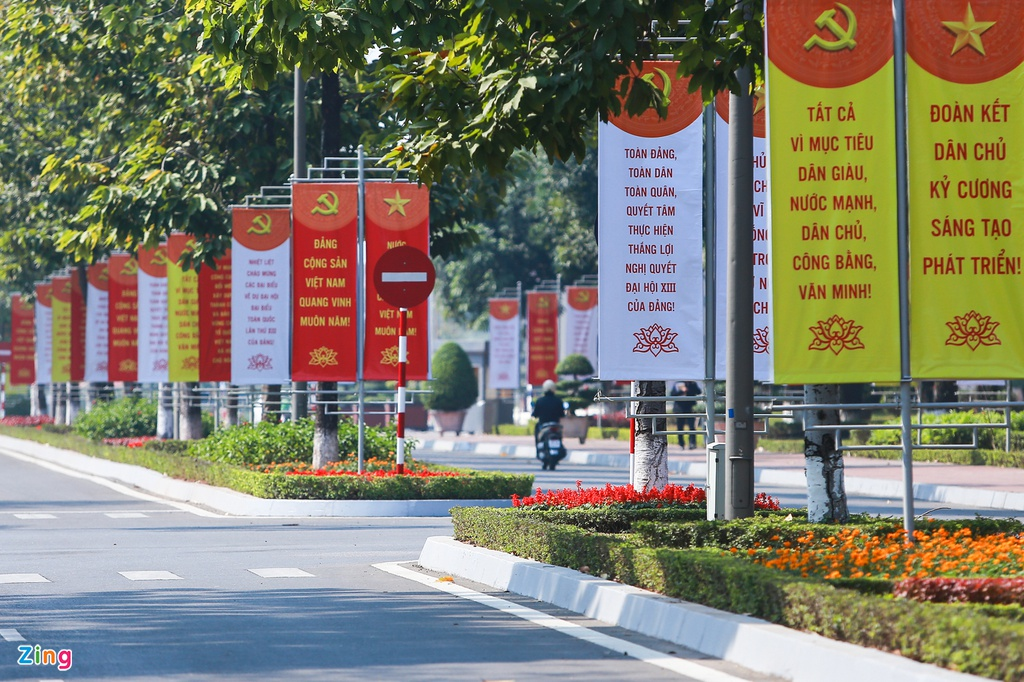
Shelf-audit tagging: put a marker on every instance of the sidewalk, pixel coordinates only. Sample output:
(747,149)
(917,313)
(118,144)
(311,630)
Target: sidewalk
(974,486)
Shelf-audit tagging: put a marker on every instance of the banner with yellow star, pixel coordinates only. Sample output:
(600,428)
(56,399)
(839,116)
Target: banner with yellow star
(44,333)
(541,336)
(832,155)
(260,295)
(325,246)
(579,323)
(182,312)
(123,313)
(23,342)
(97,323)
(215,320)
(152,328)
(397,214)
(965,102)
(503,349)
(61,306)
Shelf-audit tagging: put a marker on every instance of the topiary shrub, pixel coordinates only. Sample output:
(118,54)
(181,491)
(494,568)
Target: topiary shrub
(575,392)
(454,385)
(122,418)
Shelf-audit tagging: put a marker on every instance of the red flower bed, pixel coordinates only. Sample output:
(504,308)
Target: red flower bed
(130,442)
(974,590)
(610,494)
(26,421)
(379,473)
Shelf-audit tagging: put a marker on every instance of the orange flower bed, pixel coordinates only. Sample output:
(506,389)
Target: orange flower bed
(851,553)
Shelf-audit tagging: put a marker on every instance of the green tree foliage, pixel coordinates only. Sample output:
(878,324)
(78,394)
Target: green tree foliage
(118,419)
(454,385)
(477,81)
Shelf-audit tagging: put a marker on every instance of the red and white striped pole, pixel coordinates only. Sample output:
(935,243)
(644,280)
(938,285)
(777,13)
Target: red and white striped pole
(400,416)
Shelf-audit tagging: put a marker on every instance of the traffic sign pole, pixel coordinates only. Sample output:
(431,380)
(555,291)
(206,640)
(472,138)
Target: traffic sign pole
(400,416)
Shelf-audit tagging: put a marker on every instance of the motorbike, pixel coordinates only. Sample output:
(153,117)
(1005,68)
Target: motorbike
(550,449)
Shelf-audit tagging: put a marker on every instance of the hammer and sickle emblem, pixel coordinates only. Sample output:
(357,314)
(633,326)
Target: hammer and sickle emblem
(327,204)
(844,36)
(260,225)
(66,288)
(160,258)
(103,277)
(583,296)
(130,268)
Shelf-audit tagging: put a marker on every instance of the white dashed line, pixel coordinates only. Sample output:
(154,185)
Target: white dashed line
(22,578)
(126,515)
(281,573)
(657,658)
(150,575)
(34,516)
(11,635)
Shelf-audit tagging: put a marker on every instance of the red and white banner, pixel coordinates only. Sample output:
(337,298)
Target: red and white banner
(23,342)
(97,327)
(260,295)
(503,360)
(153,315)
(123,313)
(650,250)
(61,306)
(762,270)
(579,323)
(182,312)
(215,320)
(541,336)
(44,333)
(397,214)
(77,304)
(326,230)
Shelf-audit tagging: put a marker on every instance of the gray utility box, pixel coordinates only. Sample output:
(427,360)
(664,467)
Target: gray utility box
(716,481)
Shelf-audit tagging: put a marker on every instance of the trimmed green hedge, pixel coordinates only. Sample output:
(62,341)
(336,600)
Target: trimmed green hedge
(982,641)
(162,458)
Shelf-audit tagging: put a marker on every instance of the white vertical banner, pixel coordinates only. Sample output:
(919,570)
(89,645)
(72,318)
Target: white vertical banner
(97,324)
(44,333)
(651,239)
(153,315)
(762,271)
(260,295)
(579,325)
(503,362)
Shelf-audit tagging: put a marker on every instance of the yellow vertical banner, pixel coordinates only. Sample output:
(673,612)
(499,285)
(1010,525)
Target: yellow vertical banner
(61,306)
(965,112)
(832,159)
(182,313)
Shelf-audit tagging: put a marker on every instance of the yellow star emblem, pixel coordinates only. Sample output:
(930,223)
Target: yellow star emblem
(397,203)
(760,99)
(968,32)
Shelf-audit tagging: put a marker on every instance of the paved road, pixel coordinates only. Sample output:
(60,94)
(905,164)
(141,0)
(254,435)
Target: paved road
(138,590)
(567,474)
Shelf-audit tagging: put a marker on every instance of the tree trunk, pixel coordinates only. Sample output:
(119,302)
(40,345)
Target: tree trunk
(230,406)
(37,400)
(190,412)
(826,485)
(60,403)
(325,425)
(74,402)
(272,403)
(650,462)
(165,412)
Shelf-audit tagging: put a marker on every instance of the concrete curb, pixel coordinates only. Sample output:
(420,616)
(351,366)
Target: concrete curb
(970,497)
(752,643)
(223,500)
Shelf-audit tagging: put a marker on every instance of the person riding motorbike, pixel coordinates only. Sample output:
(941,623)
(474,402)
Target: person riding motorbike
(548,411)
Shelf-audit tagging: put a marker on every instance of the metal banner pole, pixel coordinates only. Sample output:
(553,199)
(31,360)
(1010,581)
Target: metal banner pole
(711,274)
(400,412)
(361,311)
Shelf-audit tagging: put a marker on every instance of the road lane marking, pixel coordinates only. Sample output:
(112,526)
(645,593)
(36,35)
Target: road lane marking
(150,575)
(11,635)
(280,573)
(125,515)
(22,578)
(665,661)
(29,516)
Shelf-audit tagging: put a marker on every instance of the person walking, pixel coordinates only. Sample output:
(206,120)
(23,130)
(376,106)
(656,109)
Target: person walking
(685,407)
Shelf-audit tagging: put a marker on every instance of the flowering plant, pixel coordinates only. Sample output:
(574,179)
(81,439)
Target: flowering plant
(130,441)
(26,421)
(671,494)
(372,467)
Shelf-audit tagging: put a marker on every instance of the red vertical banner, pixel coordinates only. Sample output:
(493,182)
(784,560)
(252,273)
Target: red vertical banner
(215,320)
(397,214)
(325,245)
(77,303)
(23,342)
(542,336)
(123,307)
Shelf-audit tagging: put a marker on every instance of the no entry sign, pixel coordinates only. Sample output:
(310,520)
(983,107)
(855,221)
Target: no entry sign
(404,276)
